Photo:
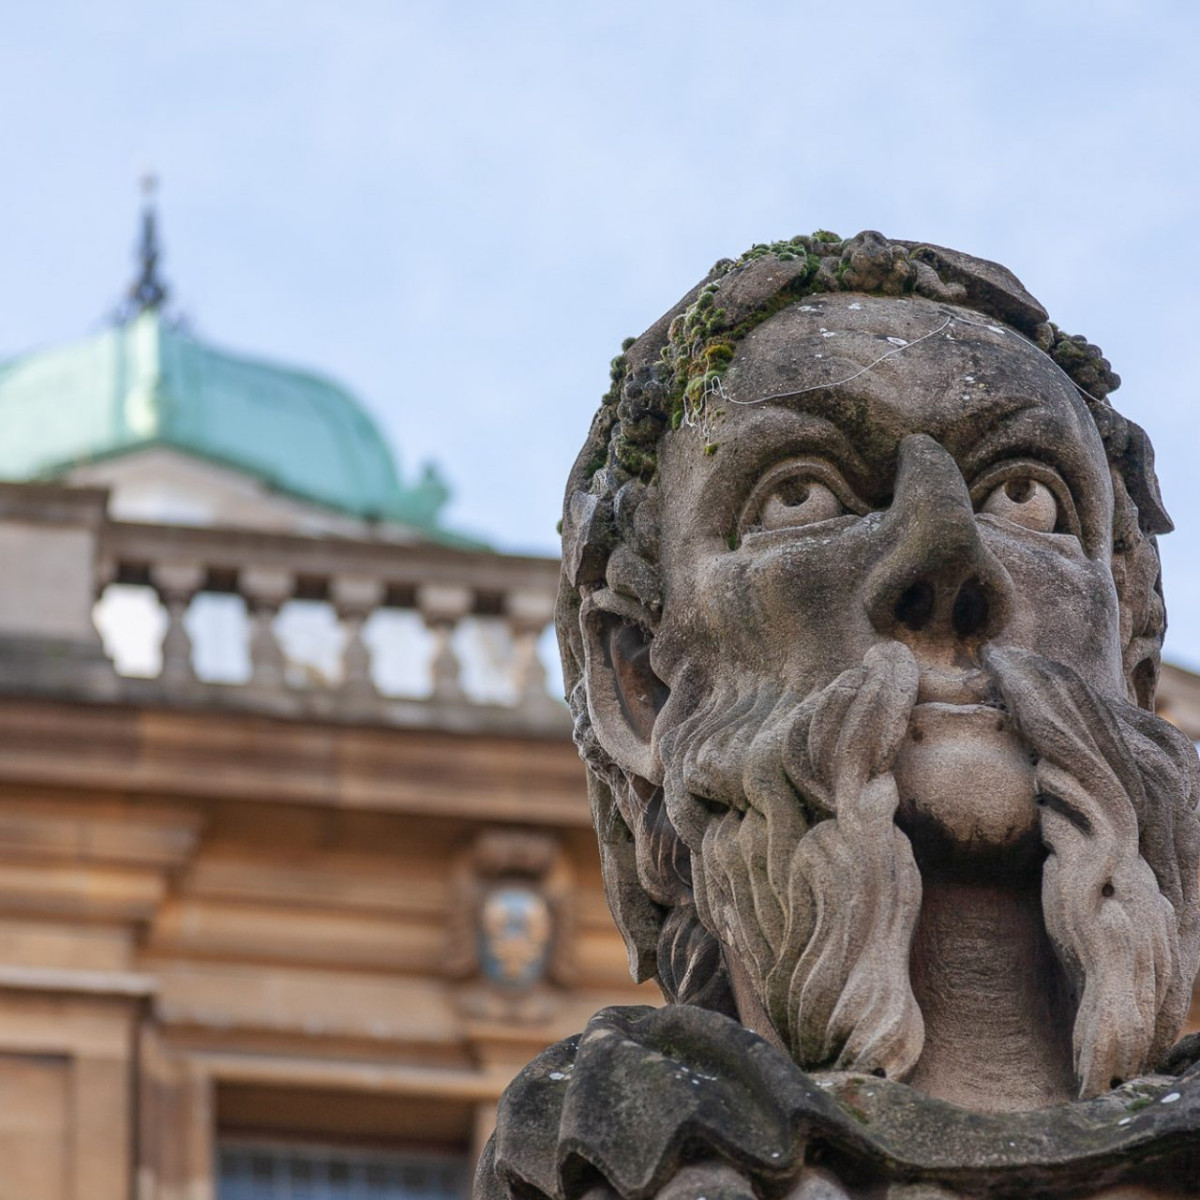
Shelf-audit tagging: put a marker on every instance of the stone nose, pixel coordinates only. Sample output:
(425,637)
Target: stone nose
(936,580)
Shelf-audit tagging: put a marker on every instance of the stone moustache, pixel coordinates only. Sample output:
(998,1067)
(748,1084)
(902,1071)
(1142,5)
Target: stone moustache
(861,616)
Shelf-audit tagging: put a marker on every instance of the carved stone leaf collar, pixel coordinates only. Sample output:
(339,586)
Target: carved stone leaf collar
(643,1092)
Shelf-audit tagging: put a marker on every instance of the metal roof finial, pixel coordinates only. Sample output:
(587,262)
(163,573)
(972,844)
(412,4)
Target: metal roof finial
(148,291)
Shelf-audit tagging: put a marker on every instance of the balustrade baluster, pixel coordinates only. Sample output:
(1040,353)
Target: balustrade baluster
(354,599)
(442,606)
(528,614)
(265,591)
(177,584)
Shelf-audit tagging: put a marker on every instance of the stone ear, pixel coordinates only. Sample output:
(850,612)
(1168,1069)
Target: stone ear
(623,693)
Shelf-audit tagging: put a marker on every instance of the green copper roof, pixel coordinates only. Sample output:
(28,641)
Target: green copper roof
(144,383)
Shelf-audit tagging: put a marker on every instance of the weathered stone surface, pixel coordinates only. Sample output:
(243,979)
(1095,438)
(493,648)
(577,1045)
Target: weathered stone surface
(641,1089)
(986,285)
(867,701)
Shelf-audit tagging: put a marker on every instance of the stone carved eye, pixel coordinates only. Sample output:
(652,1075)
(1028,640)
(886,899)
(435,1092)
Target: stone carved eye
(1031,496)
(799,501)
(798,494)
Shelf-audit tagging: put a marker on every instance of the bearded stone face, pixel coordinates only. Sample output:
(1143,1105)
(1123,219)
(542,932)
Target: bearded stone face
(887,709)
(954,498)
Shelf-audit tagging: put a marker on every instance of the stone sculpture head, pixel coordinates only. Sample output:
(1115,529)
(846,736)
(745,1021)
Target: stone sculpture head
(861,618)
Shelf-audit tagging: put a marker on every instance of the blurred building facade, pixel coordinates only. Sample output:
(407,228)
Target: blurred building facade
(296,864)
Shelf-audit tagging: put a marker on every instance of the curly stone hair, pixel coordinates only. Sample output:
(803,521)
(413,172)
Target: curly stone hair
(610,530)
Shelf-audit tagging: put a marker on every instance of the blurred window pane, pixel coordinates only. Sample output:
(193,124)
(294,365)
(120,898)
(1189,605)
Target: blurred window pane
(263,1172)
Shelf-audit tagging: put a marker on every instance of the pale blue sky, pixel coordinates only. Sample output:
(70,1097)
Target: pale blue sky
(460,209)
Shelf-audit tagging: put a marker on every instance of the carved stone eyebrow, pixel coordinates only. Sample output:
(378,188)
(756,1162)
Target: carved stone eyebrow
(786,432)
(1002,432)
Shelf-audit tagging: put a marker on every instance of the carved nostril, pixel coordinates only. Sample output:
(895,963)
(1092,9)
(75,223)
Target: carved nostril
(914,609)
(970,612)
(969,615)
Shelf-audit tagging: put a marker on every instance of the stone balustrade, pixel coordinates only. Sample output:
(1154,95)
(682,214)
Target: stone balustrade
(469,628)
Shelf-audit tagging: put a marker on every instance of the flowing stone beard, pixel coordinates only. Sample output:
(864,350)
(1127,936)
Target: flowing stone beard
(1118,790)
(788,805)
